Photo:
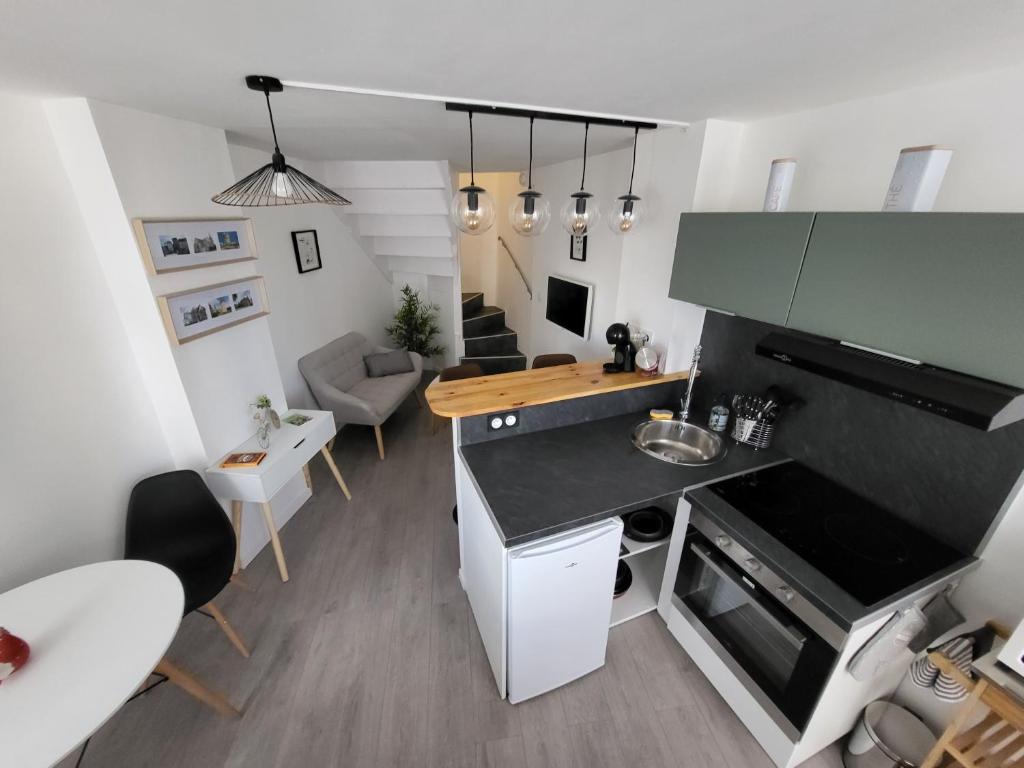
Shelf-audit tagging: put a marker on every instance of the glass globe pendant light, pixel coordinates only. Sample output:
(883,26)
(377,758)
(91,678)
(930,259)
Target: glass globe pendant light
(529,213)
(472,208)
(580,211)
(629,209)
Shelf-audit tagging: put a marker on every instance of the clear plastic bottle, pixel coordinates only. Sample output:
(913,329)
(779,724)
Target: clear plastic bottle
(719,419)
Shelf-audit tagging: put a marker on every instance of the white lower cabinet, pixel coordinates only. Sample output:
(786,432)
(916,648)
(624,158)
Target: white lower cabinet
(543,609)
(559,604)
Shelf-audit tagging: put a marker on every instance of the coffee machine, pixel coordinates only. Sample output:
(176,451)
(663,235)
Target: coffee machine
(624,351)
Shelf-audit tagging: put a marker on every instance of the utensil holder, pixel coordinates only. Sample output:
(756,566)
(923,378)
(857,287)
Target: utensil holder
(752,432)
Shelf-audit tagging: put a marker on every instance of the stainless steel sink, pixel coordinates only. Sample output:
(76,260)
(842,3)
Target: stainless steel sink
(678,442)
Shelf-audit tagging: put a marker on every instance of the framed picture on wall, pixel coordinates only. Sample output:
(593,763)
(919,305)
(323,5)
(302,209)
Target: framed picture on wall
(578,247)
(197,312)
(307,250)
(171,245)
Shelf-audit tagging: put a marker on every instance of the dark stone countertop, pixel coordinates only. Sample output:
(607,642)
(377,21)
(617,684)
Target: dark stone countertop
(546,482)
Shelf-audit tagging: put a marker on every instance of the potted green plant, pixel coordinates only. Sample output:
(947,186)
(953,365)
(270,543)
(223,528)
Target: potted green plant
(265,417)
(415,325)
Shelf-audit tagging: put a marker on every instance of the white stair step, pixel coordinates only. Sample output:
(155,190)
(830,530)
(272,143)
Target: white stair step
(369,174)
(424,247)
(443,267)
(390,225)
(396,201)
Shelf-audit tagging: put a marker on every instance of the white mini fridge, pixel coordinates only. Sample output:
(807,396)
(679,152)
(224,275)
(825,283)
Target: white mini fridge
(559,607)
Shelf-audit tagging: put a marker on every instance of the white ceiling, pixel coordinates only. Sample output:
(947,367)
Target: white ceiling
(672,59)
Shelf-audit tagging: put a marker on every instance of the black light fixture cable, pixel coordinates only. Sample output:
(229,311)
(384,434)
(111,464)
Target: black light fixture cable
(586,133)
(636,133)
(472,174)
(529,173)
(273,128)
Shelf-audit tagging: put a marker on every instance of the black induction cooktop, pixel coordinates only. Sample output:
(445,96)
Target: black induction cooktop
(866,550)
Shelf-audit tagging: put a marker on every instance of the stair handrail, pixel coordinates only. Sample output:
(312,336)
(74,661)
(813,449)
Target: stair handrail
(519,269)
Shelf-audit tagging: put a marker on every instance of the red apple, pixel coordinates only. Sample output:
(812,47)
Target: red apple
(13,653)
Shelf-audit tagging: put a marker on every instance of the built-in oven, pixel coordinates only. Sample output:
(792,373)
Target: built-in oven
(752,620)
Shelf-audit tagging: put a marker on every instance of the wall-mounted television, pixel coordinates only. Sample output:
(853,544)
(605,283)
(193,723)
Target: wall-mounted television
(569,305)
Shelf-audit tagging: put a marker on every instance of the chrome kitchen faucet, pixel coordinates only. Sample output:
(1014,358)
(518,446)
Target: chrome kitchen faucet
(684,403)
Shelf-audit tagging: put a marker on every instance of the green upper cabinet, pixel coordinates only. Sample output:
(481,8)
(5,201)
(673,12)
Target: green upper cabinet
(744,263)
(943,288)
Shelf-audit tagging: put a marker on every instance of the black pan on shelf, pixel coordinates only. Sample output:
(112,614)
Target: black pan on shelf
(623,579)
(647,524)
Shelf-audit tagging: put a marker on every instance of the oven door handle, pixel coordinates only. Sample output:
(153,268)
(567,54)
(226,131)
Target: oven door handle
(797,637)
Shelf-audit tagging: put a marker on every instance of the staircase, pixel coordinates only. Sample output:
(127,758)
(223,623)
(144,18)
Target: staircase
(399,216)
(489,342)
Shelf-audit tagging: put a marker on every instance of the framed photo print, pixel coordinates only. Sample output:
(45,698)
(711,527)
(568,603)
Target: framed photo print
(171,245)
(198,312)
(307,250)
(578,247)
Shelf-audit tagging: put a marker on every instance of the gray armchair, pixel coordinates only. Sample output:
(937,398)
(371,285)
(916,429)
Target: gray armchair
(337,377)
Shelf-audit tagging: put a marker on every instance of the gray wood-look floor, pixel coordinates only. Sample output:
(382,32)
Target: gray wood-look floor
(369,655)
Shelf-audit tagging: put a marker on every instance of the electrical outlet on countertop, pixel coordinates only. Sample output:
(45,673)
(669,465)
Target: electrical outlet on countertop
(507,420)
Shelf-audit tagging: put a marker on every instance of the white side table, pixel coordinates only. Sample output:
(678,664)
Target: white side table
(96,633)
(291,449)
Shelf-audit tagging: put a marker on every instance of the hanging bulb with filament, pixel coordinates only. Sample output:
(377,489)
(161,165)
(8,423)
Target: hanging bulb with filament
(629,209)
(530,212)
(472,208)
(580,211)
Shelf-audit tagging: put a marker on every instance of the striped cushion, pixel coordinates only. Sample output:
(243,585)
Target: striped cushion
(960,651)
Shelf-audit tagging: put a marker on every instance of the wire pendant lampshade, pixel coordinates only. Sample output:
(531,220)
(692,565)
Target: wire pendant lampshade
(276,183)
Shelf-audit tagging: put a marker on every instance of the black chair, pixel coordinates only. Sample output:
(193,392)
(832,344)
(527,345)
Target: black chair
(175,521)
(459,372)
(547,361)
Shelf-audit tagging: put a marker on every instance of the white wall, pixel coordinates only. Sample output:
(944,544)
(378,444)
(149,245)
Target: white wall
(80,428)
(170,168)
(311,309)
(847,152)
(607,178)
(668,161)
(162,167)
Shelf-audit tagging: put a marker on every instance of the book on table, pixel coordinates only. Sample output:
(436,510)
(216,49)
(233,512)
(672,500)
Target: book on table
(247,459)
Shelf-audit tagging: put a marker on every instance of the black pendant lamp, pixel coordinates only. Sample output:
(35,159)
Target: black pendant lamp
(629,209)
(580,212)
(529,213)
(472,208)
(276,183)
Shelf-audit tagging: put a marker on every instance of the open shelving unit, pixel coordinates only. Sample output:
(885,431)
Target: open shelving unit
(647,562)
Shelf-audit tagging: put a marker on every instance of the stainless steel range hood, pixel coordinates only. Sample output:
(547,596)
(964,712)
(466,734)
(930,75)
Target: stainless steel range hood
(977,402)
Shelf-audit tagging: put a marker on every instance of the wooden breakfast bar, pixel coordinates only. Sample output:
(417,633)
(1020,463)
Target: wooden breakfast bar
(519,389)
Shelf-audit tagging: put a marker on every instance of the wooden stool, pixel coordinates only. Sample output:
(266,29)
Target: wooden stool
(993,741)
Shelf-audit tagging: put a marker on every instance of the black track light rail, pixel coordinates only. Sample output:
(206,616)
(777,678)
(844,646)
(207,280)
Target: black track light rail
(484,109)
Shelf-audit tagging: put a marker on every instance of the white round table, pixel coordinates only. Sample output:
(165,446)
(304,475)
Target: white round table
(95,633)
